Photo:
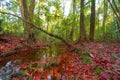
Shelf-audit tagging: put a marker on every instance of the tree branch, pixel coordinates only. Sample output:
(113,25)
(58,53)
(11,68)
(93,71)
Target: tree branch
(114,11)
(35,26)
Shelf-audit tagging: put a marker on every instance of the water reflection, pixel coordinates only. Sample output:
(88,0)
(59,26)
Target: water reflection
(43,59)
(31,56)
(51,51)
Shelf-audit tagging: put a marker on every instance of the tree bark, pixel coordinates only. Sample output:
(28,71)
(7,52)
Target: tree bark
(98,21)
(27,12)
(73,25)
(82,36)
(105,15)
(92,21)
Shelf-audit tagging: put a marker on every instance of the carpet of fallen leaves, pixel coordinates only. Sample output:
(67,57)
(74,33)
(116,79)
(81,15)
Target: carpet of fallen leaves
(104,64)
(96,61)
(12,43)
(105,56)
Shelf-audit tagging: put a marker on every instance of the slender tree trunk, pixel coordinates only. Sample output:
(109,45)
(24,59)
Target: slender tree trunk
(73,25)
(105,16)
(92,21)
(114,10)
(98,21)
(82,36)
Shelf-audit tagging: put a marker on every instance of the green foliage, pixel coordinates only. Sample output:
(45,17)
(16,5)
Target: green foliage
(84,55)
(85,58)
(50,15)
(98,70)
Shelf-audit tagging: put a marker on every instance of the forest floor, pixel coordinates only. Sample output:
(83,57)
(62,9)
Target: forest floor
(96,61)
(9,44)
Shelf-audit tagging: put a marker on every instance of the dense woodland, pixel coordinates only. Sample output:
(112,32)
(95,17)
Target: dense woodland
(87,31)
(85,20)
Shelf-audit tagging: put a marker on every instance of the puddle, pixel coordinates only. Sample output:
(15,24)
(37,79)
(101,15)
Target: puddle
(31,56)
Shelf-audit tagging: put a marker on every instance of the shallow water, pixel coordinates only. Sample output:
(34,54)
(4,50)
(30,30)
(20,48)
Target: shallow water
(31,56)
(46,57)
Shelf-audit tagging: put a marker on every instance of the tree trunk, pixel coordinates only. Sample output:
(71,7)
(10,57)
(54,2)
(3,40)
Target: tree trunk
(98,21)
(92,21)
(82,36)
(73,25)
(105,16)
(118,17)
(27,14)
(116,8)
